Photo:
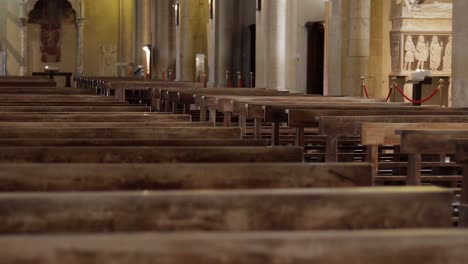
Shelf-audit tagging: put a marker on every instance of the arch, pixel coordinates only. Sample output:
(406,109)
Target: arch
(76,5)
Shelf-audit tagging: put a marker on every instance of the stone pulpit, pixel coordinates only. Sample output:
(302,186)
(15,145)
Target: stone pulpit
(421,39)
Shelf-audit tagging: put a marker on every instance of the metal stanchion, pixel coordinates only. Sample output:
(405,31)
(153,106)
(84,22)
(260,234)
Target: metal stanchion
(362,86)
(252,80)
(441,92)
(239,80)
(394,88)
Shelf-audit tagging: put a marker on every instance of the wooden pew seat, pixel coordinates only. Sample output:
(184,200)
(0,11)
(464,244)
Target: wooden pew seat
(149,154)
(234,211)
(107,177)
(444,246)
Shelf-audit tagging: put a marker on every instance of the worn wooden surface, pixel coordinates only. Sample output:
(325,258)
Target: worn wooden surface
(94,177)
(332,247)
(149,154)
(91,117)
(125,132)
(33,109)
(102,142)
(254,210)
(80,125)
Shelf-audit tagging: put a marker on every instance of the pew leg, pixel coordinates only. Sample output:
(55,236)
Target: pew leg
(167,107)
(243,124)
(213,116)
(202,114)
(300,137)
(331,152)
(174,108)
(414,169)
(258,128)
(275,134)
(372,156)
(186,109)
(227,119)
(464,194)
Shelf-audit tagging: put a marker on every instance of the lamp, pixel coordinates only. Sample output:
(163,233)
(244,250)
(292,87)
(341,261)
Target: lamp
(147,49)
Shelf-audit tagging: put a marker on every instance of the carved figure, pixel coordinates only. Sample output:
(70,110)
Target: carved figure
(108,59)
(422,53)
(448,56)
(435,53)
(409,53)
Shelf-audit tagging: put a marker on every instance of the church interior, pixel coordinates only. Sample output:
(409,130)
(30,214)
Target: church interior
(233,131)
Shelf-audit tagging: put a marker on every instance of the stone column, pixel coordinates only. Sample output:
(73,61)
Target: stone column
(221,34)
(276,42)
(23,21)
(358,51)
(80,23)
(163,38)
(143,29)
(459,90)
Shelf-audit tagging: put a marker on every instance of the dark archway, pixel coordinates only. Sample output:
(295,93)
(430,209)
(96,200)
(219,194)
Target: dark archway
(315,57)
(253,48)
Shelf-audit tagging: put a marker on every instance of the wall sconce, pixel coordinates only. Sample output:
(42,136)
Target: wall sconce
(259,5)
(177,13)
(210,2)
(147,49)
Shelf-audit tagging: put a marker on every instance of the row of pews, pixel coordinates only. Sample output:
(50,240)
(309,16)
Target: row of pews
(201,176)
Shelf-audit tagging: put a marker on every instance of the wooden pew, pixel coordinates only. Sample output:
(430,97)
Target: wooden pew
(233,211)
(461,146)
(32,109)
(338,126)
(119,88)
(184,132)
(415,142)
(104,142)
(444,246)
(375,134)
(113,125)
(106,177)
(148,154)
(30,90)
(20,82)
(92,117)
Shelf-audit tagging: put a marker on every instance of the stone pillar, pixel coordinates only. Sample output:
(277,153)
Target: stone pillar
(459,90)
(276,58)
(358,51)
(23,21)
(80,23)
(221,34)
(143,29)
(164,38)
(190,37)
(334,46)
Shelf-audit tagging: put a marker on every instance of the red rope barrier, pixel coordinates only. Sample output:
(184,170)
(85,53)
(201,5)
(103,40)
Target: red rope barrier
(365,90)
(416,101)
(389,94)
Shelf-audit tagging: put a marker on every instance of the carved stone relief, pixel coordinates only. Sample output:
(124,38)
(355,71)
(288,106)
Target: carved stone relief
(107,60)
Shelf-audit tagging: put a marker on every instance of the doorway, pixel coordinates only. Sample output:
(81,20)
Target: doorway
(315,57)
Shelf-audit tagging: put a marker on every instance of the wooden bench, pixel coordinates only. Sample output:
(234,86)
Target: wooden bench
(32,109)
(415,142)
(91,117)
(105,177)
(335,127)
(406,246)
(113,125)
(104,142)
(233,211)
(119,88)
(16,82)
(168,132)
(461,146)
(375,134)
(148,154)
(41,90)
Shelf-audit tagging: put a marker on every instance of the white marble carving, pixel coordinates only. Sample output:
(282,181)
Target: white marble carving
(422,53)
(435,54)
(447,67)
(410,50)
(425,9)
(107,60)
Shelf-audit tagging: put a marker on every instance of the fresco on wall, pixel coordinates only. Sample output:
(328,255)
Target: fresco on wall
(51,14)
(50,43)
